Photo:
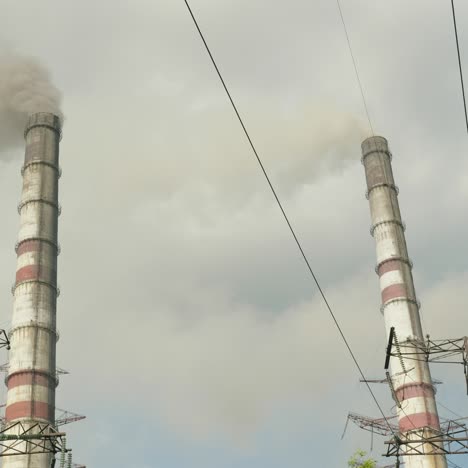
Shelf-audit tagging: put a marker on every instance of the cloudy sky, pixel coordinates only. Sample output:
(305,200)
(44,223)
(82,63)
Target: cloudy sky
(193,333)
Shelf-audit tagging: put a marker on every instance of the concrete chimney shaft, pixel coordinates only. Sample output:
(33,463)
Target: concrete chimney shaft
(417,411)
(31,379)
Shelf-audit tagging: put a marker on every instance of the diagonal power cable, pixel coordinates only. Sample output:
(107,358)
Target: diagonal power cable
(459,62)
(286,218)
(356,71)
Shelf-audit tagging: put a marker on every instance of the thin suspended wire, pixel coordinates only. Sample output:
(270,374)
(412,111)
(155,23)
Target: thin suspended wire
(459,62)
(452,464)
(438,402)
(402,409)
(285,216)
(356,71)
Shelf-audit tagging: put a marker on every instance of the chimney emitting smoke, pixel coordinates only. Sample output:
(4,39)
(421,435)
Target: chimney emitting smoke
(31,379)
(411,379)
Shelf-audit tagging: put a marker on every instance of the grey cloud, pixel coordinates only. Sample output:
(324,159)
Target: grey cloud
(226,369)
(181,289)
(191,152)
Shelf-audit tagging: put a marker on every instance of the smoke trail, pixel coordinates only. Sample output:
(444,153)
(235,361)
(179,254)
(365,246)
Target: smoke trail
(298,148)
(25,88)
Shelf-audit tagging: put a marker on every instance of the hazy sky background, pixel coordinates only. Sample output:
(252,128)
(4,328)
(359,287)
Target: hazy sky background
(193,333)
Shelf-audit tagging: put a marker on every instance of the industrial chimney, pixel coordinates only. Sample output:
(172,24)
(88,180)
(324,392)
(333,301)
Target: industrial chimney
(411,379)
(31,378)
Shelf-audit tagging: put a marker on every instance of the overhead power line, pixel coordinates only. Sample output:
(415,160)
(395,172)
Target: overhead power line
(285,216)
(452,464)
(356,70)
(459,62)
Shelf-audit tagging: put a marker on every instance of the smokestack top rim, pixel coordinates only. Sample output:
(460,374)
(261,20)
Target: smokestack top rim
(44,119)
(374,138)
(375,144)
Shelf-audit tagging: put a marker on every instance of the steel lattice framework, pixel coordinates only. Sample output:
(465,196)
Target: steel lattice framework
(452,440)
(31,439)
(433,351)
(21,439)
(63,417)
